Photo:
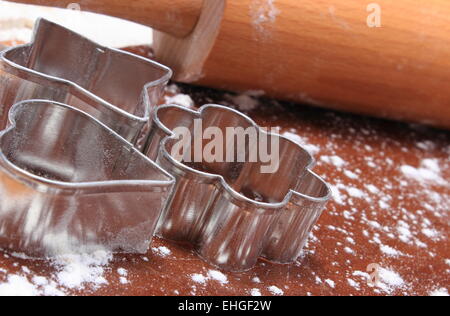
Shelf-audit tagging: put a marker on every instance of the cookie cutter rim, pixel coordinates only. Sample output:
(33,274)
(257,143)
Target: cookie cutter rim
(75,88)
(236,195)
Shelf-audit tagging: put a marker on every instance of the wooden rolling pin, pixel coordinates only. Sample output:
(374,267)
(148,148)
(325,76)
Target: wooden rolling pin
(321,52)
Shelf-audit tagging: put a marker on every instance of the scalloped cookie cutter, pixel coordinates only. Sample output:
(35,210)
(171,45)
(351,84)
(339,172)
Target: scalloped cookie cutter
(116,87)
(68,183)
(231,212)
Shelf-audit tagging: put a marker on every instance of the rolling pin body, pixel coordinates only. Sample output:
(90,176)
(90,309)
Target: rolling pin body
(323,52)
(320,52)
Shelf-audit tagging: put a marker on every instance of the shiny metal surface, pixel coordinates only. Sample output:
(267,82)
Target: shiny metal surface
(116,87)
(231,212)
(68,183)
(71,180)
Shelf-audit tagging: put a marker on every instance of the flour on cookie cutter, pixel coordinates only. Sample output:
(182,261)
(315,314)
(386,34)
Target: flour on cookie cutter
(231,212)
(116,87)
(68,183)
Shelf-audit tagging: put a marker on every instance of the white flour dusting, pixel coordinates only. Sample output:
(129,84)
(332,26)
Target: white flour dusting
(275,290)
(26,270)
(390,251)
(244,102)
(123,274)
(373,189)
(73,272)
(17,285)
(330,283)
(47,287)
(212,275)
(337,161)
(258,280)
(255,292)
(123,280)
(199,278)
(262,13)
(338,197)
(389,280)
(181,100)
(404,232)
(428,172)
(353,283)
(361,274)
(355,192)
(350,240)
(176,97)
(349,251)
(81,271)
(218,276)
(162,251)
(21,285)
(430,233)
(302,141)
(440,292)
(351,174)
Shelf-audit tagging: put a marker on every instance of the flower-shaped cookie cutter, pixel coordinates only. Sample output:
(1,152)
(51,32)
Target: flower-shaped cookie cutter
(231,212)
(68,183)
(116,87)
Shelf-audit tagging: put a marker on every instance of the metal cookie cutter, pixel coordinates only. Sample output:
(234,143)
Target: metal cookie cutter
(231,211)
(116,87)
(68,184)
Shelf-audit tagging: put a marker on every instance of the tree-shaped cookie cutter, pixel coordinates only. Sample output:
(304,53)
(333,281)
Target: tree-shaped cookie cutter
(116,87)
(68,183)
(231,212)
